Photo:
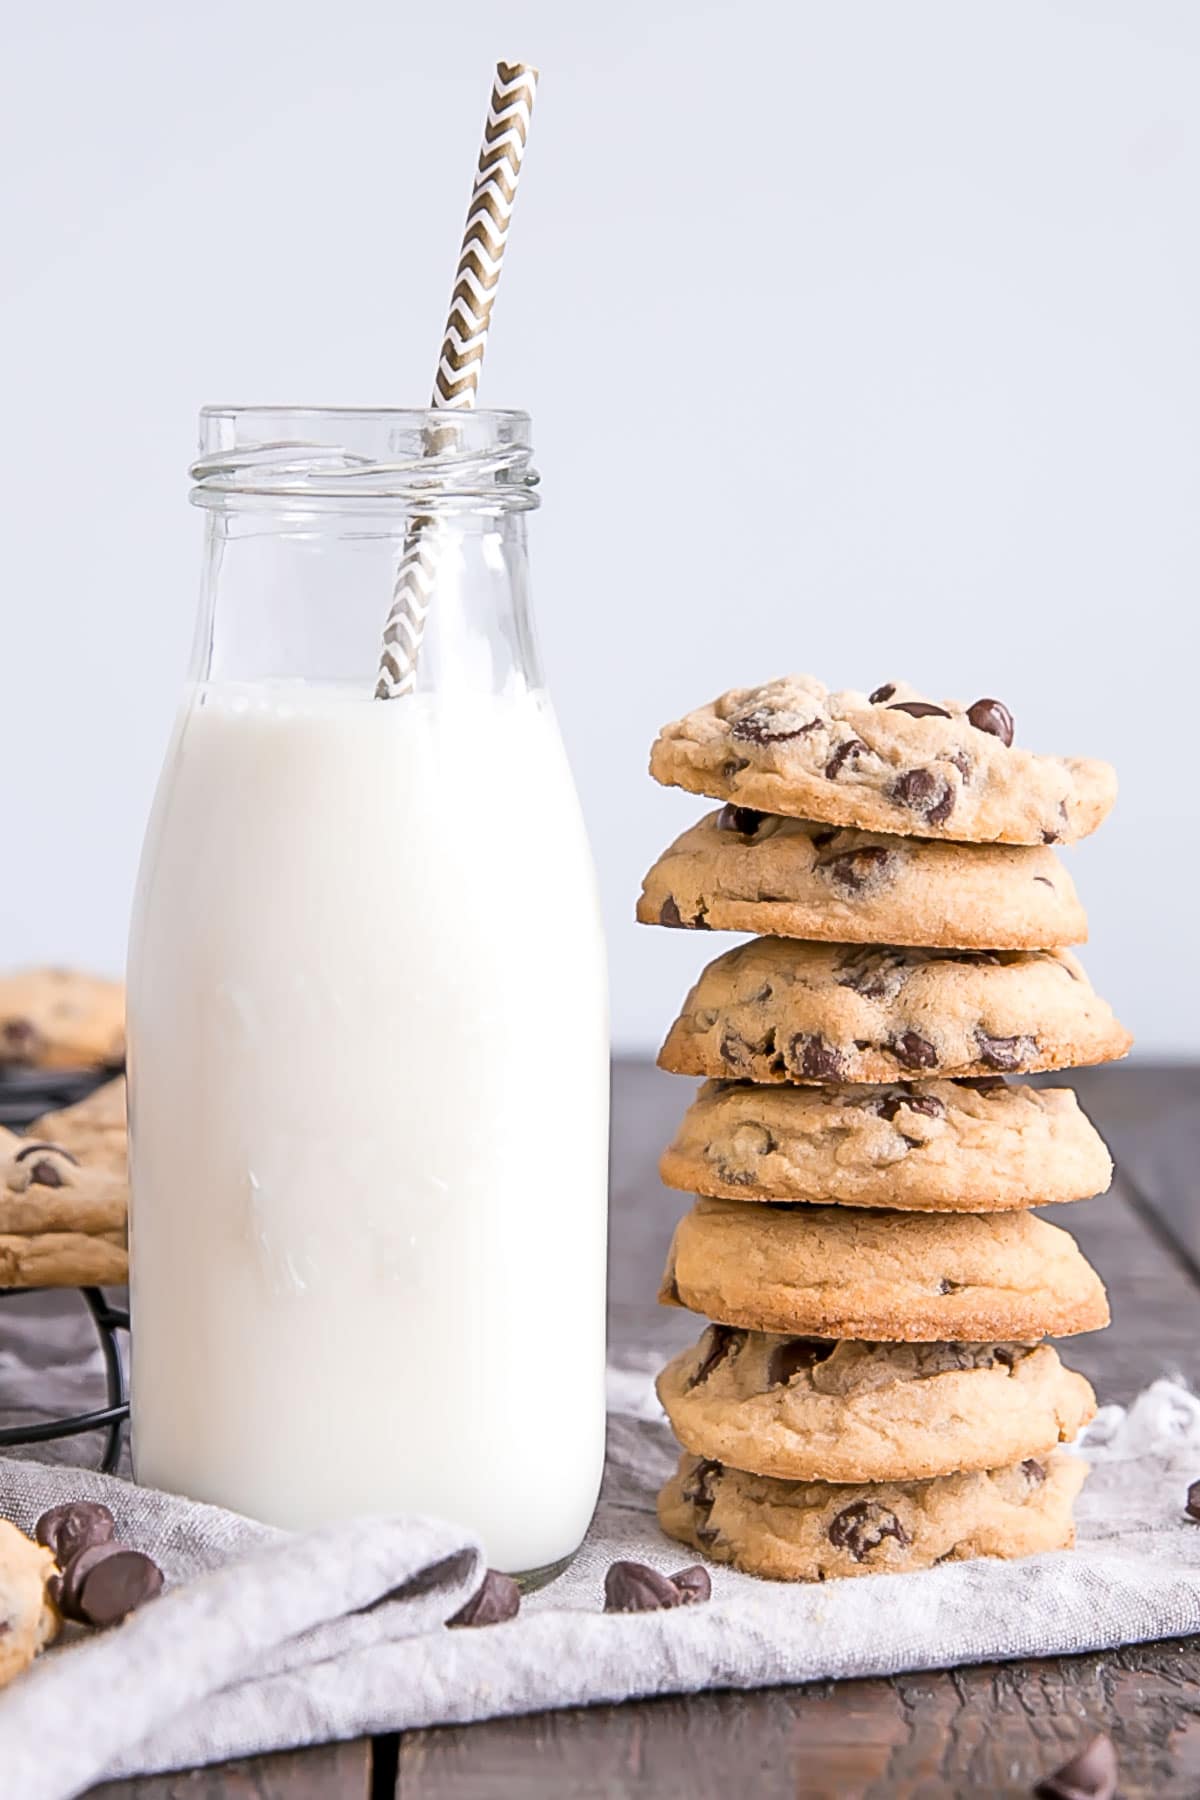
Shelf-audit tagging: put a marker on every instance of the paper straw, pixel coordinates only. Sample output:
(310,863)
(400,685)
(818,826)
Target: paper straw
(461,357)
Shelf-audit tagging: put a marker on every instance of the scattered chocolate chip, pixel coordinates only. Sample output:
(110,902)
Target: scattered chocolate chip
(993,717)
(795,1355)
(924,791)
(669,913)
(863,1525)
(816,1059)
(850,748)
(914,1051)
(718,1342)
(1006,1053)
(853,869)
(920,709)
(495,1599)
(635,1587)
(105,1582)
(1033,1471)
(694,1584)
(76,1526)
(742,819)
(927,1104)
(763,725)
(1193,1501)
(882,693)
(1092,1775)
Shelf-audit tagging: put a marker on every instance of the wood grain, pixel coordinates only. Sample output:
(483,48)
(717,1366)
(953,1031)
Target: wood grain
(334,1772)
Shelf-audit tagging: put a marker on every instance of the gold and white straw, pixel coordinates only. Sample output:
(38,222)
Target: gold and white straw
(461,357)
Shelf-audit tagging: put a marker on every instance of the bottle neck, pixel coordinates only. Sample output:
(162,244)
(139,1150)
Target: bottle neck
(309,518)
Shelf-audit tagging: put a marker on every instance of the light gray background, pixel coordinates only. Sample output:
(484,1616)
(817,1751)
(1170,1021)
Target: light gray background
(859,339)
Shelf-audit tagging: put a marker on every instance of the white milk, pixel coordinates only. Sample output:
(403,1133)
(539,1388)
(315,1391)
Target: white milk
(369,1094)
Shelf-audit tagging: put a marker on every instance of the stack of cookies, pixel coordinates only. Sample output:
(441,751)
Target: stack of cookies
(873,1392)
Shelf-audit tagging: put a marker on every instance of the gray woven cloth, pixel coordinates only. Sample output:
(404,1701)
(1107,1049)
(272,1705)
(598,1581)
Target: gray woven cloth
(265,1640)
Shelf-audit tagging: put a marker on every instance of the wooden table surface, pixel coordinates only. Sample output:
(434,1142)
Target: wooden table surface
(987,1730)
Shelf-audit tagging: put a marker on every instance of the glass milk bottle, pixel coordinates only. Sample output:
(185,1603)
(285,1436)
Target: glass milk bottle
(368,1013)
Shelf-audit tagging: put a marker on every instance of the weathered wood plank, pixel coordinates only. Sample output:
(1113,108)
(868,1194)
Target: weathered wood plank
(334,1772)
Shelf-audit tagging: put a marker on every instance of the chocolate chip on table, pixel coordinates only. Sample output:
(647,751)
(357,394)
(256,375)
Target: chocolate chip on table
(862,1526)
(993,717)
(796,1355)
(718,1343)
(742,819)
(914,1051)
(1091,1775)
(76,1526)
(882,693)
(105,1582)
(850,748)
(926,792)
(765,725)
(816,1059)
(694,1583)
(496,1599)
(920,709)
(1192,1507)
(1006,1053)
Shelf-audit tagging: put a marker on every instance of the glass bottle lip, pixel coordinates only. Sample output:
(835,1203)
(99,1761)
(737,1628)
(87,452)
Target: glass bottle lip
(435,458)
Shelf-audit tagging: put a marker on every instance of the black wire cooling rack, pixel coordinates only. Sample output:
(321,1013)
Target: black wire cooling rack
(24,1095)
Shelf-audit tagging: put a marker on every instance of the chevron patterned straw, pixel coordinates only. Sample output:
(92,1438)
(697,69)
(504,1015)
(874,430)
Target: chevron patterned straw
(461,358)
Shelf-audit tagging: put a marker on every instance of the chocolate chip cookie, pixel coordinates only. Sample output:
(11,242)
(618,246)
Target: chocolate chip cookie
(928,1146)
(741,870)
(910,1277)
(61,1225)
(778,1009)
(886,761)
(93,1130)
(28,1621)
(810,1531)
(812,1409)
(59,1019)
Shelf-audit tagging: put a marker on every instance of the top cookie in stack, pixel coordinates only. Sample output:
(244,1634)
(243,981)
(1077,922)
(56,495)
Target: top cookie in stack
(895,857)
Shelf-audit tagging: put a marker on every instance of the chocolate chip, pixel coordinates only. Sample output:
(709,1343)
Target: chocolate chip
(20,1040)
(669,913)
(105,1582)
(495,1599)
(926,792)
(718,1343)
(764,725)
(1092,1775)
(852,869)
(851,747)
(75,1526)
(1009,1355)
(927,1104)
(920,709)
(45,1174)
(694,1584)
(875,974)
(795,1355)
(1033,1471)
(1007,1053)
(738,1052)
(631,1587)
(1193,1501)
(946,1286)
(882,693)
(1045,880)
(733,766)
(821,838)
(1050,837)
(699,1491)
(34,1149)
(742,819)
(993,717)
(914,1051)
(984,1084)
(816,1059)
(863,1525)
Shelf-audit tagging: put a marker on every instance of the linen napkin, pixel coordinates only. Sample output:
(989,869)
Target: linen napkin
(266,1640)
